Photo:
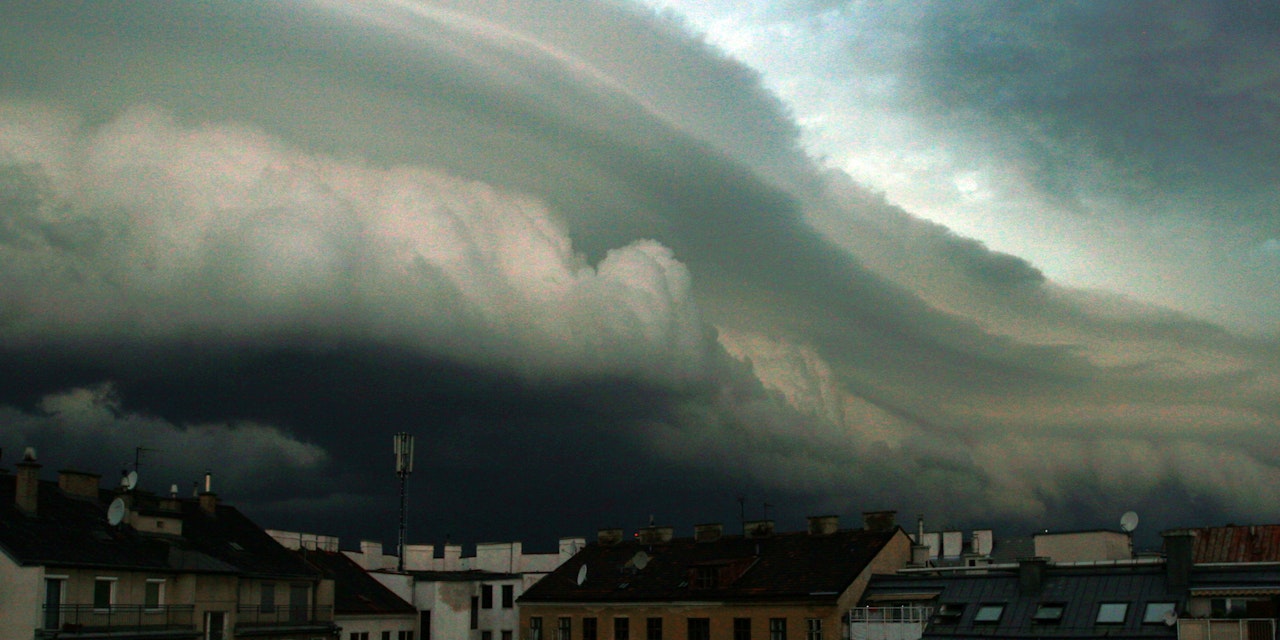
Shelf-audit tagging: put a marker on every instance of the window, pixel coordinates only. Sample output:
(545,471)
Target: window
(1048,613)
(104,593)
(1156,611)
(404,635)
(622,629)
(1232,608)
(475,612)
(535,628)
(948,613)
(777,629)
(359,635)
(508,596)
(988,614)
(705,577)
(215,625)
(267,598)
(813,629)
(486,635)
(1112,612)
(153,596)
(506,634)
(54,595)
(699,629)
(386,635)
(588,629)
(486,596)
(564,628)
(653,629)
(742,629)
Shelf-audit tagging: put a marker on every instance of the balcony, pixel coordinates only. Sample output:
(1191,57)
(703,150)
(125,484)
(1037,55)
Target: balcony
(1226,629)
(888,623)
(262,620)
(75,620)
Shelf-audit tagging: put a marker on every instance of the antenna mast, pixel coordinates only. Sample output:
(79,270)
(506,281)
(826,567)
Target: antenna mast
(403,447)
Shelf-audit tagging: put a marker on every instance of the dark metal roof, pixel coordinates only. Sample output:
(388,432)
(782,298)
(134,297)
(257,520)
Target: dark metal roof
(71,531)
(355,591)
(780,567)
(461,576)
(1080,590)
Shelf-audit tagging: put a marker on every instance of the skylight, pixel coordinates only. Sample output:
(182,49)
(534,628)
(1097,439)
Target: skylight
(1112,612)
(988,614)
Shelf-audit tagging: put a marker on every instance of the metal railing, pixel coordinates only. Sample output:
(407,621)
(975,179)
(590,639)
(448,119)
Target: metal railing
(1226,629)
(283,615)
(888,623)
(117,617)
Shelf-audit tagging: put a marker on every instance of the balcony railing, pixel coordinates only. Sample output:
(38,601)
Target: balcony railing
(283,615)
(87,618)
(1226,629)
(888,623)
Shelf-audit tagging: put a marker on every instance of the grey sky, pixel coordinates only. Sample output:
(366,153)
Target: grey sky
(603,270)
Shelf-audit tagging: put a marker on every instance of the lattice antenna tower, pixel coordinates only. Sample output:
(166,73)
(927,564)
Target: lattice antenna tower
(403,448)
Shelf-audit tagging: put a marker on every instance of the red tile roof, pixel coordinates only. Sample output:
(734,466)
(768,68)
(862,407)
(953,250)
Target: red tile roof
(1232,543)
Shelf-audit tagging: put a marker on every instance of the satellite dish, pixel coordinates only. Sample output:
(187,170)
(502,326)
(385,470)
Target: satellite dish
(582,574)
(1129,521)
(115,512)
(130,481)
(640,560)
(1170,618)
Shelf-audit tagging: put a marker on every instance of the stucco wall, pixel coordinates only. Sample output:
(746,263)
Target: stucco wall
(20,599)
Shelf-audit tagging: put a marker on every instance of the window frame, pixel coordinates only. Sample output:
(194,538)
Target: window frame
(535,628)
(1102,606)
(158,605)
(742,629)
(813,628)
(777,629)
(112,583)
(621,628)
(486,596)
(698,628)
(508,596)
(653,628)
(980,619)
(564,628)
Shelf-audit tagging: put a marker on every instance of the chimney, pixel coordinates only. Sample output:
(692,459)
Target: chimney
(823,525)
(655,535)
(707,532)
(919,555)
(878,521)
(1179,551)
(609,537)
(1031,574)
(27,490)
(208,499)
(80,484)
(757,528)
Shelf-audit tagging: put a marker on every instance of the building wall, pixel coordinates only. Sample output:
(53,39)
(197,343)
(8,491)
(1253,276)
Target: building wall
(675,617)
(20,599)
(374,625)
(1084,546)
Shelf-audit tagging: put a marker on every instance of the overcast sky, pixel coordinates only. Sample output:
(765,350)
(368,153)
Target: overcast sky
(1003,265)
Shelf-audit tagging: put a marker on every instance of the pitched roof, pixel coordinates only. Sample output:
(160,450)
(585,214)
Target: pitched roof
(1235,543)
(355,591)
(1080,591)
(784,566)
(72,531)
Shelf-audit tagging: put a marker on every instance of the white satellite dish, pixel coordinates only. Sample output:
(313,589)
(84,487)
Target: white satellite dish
(1129,521)
(1170,618)
(115,512)
(582,574)
(130,480)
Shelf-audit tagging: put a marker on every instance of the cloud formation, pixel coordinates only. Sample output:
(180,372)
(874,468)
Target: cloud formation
(583,255)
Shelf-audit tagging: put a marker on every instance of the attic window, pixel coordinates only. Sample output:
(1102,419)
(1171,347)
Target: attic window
(705,577)
(988,614)
(1112,612)
(1048,613)
(1156,612)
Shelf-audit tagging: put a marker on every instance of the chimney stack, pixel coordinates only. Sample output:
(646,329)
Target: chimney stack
(707,532)
(80,484)
(1179,552)
(757,528)
(27,491)
(878,521)
(208,499)
(823,525)
(1031,574)
(656,535)
(609,537)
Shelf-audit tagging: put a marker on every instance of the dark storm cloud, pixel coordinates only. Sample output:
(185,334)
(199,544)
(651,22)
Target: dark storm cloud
(577,252)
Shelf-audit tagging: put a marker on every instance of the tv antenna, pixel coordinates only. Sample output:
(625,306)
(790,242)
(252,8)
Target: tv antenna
(402,445)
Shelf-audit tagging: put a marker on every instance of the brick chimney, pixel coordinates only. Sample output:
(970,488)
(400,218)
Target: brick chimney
(823,525)
(80,484)
(1179,552)
(878,521)
(757,528)
(208,499)
(1031,574)
(707,532)
(27,489)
